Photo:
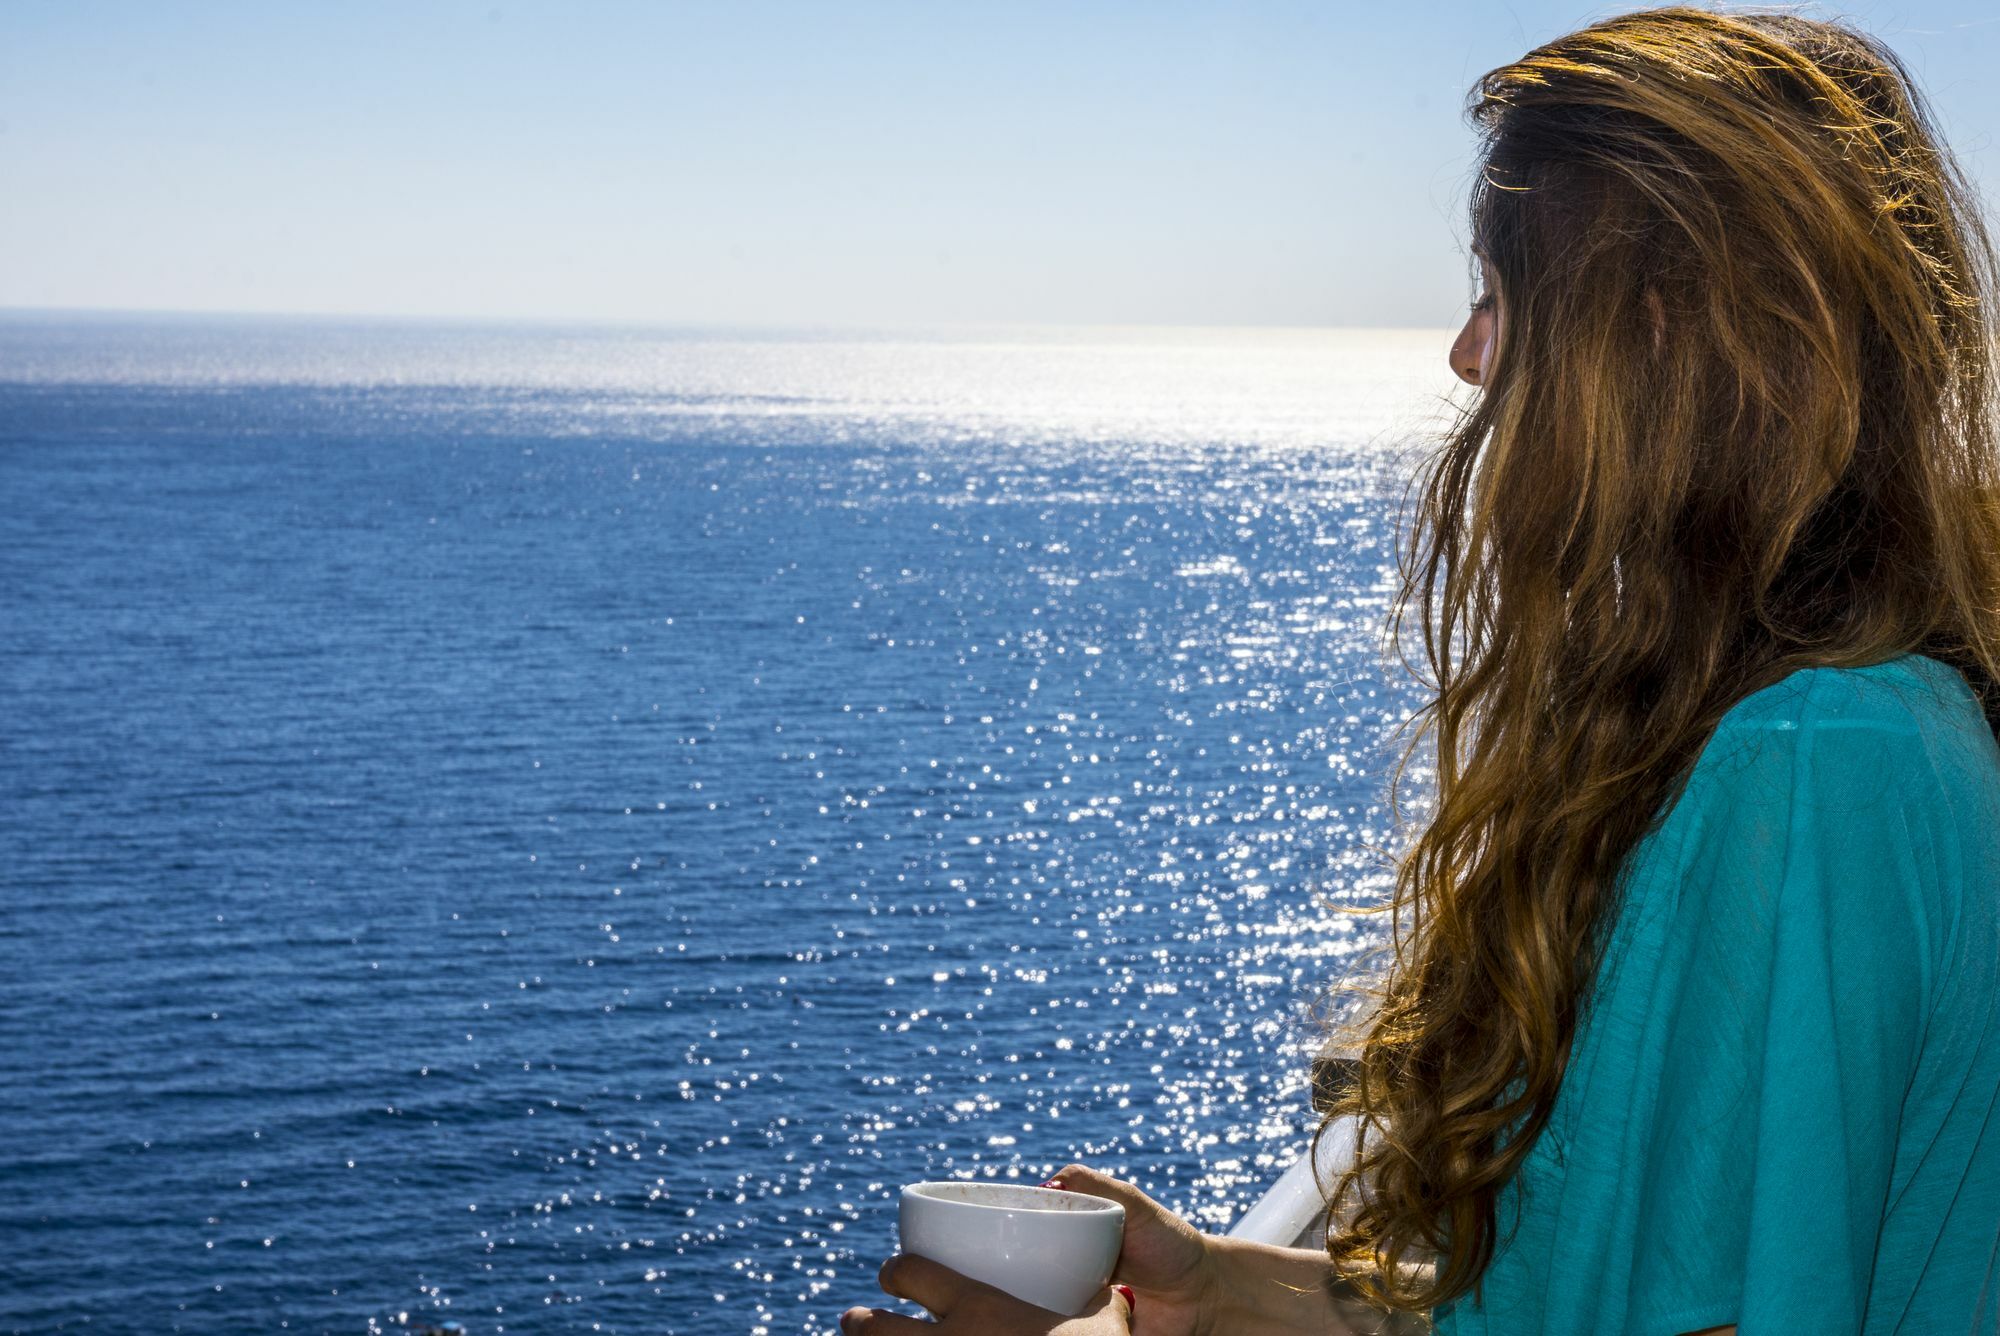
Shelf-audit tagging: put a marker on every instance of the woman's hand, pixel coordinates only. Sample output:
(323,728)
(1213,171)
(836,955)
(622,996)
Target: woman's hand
(1168,1262)
(1187,1283)
(1164,1260)
(966,1306)
(1183,1283)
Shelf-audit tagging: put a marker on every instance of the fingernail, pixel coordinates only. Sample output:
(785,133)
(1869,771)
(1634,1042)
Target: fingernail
(1131,1301)
(1057,1184)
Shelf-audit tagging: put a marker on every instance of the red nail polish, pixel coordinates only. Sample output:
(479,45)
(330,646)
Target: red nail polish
(1131,1301)
(1057,1184)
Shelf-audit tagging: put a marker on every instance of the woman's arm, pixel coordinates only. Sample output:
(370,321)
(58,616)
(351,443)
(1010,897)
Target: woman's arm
(1261,1290)
(1175,1280)
(1194,1284)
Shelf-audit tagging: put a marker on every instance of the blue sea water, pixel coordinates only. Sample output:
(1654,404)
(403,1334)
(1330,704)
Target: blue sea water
(549,828)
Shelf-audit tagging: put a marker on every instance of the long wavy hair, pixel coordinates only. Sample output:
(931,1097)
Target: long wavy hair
(1740,421)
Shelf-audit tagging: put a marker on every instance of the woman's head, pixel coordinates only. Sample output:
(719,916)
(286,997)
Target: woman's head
(1736,418)
(1736,266)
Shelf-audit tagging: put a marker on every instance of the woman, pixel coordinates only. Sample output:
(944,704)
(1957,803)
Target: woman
(1696,1023)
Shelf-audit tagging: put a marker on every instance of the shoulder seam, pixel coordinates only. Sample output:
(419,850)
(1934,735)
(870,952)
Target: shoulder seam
(1805,705)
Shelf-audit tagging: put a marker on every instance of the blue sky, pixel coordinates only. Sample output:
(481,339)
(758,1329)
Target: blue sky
(830,163)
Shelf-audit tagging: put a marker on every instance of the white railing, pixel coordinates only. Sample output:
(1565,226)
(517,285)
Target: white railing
(1293,1212)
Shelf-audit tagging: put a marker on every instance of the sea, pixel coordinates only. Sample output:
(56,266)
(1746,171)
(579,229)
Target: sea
(549,828)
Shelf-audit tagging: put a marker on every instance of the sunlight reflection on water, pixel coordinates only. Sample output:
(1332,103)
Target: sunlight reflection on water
(603,809)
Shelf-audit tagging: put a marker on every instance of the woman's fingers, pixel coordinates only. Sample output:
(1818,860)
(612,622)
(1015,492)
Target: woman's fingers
(1143,1215)
(1116,1299)
(1112,1312)
(1162,1254)
(922,1281)
(880,1322)
(1081,1178)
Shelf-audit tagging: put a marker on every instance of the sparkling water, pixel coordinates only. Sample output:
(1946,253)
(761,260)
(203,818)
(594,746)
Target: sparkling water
(550,828)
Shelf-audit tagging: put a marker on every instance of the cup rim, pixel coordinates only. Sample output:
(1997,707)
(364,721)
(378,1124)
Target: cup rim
(1096,1205)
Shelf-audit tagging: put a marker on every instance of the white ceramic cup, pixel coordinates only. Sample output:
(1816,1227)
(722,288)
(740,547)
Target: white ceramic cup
(1054,1249)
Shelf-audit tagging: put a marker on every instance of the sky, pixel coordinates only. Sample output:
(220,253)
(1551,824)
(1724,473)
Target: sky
(856,163)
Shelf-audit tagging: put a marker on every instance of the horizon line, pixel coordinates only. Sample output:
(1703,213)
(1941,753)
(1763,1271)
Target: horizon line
(9,311)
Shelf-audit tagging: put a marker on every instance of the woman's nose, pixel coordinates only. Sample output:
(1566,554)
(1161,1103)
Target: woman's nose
(1465,355)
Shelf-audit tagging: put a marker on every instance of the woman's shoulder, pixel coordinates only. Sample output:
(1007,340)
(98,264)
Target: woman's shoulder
(1912,694)
(1831,789)
(1905,733)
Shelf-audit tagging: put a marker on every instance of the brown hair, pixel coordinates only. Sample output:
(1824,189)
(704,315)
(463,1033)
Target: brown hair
(1740,422)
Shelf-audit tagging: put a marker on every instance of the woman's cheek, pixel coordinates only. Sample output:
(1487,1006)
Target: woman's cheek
(1486,348)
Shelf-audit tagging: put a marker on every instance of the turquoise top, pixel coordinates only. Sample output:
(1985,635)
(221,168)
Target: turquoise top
(1783,1107)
